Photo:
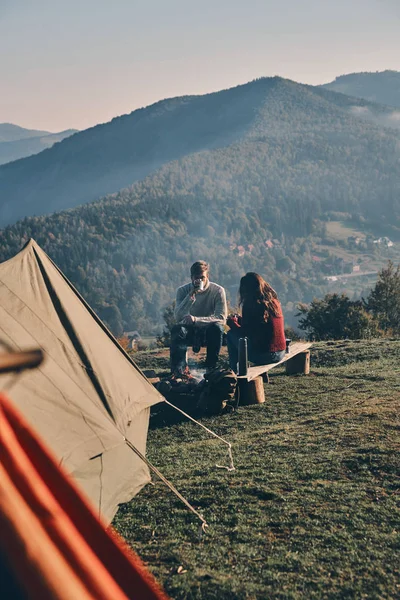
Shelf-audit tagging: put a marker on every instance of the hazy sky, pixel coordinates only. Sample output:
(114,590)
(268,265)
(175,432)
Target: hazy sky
(76,63)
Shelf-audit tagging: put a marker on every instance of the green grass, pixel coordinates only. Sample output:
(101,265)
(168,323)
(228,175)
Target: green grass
(341,231)
(312,508)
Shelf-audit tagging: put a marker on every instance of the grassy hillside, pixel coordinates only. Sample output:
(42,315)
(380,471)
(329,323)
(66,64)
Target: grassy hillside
(382,87)
(312,508)
(284,124)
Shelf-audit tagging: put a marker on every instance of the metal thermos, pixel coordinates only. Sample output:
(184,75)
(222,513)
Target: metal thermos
(242,357)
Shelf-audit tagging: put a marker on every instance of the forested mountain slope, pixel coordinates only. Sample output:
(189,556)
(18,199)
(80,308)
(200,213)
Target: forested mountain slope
(382,87)
(108,157)
(303,156)
(272,112)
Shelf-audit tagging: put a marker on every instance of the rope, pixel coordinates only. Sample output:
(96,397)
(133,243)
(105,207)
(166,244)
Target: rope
(204,524)
(232,466)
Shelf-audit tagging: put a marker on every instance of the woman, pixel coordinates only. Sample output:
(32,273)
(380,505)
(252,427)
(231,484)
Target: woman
(261,322)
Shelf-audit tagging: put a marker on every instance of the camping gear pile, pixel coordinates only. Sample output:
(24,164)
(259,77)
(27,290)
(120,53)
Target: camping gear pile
(214,394)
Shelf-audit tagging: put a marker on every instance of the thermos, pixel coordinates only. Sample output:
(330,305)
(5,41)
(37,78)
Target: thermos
(242,357)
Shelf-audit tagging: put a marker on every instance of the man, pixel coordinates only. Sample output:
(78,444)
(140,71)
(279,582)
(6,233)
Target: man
(201,313)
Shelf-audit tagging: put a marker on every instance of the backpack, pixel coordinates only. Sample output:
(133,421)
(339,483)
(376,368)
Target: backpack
(218,392)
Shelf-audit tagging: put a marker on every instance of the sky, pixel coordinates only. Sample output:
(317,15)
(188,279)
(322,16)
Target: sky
(76,63)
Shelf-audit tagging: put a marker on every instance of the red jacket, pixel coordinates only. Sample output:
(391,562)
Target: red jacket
(264,335)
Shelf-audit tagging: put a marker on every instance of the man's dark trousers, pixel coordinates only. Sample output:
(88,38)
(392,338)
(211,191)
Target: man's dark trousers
(183,336)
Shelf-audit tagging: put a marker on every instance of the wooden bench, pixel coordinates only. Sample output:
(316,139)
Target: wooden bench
(251,385)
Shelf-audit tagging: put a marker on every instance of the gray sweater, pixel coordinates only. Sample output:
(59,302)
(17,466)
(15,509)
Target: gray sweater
(208,306)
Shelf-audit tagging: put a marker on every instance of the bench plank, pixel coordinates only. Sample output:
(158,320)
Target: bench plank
(295,348)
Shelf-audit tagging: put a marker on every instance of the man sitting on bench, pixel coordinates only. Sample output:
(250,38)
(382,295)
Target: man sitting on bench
(201,314)
(261,322)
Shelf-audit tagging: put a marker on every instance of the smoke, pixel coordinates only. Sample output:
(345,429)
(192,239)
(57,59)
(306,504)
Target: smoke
(198,374)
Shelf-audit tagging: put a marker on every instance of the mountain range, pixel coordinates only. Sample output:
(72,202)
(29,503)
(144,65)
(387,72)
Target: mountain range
(382,87)
(108,157)
(246,178)
(17,142)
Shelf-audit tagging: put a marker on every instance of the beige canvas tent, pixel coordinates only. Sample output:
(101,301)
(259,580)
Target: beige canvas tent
(88,395)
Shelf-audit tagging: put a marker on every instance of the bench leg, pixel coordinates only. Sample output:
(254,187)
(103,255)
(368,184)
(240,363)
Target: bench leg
(299,364)
(251,392)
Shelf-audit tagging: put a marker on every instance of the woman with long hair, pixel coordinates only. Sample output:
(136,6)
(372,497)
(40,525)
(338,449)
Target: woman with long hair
(261,322)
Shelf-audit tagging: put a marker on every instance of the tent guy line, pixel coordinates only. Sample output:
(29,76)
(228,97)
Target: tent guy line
(168,484)
(231,466)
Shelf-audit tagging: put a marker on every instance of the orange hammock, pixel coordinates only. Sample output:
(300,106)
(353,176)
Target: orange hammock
(49,535)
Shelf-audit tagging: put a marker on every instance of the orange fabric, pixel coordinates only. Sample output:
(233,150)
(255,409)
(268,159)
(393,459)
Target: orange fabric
(50,535)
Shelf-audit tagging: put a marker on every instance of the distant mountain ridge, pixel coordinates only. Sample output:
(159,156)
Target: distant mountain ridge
(10,132)
(31,142)
(382,87)
(108,157)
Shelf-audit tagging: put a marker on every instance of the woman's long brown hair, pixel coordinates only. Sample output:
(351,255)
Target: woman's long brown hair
(254,289)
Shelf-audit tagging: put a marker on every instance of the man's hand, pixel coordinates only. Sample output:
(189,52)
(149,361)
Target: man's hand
(194,292)
(188,320)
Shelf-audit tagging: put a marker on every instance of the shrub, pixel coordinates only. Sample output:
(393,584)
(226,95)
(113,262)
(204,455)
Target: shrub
(337,317)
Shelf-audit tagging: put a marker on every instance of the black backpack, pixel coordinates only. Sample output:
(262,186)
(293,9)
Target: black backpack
(218,392)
